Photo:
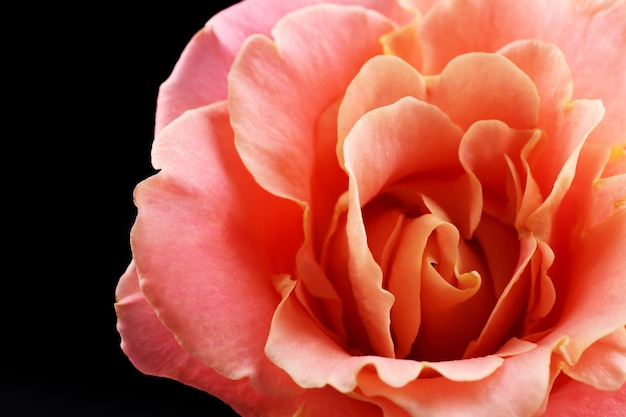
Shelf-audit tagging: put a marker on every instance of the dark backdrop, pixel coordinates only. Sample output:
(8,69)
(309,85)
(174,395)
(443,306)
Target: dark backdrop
(81,94)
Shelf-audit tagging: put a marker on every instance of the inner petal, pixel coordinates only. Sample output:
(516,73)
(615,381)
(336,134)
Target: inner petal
(482,86)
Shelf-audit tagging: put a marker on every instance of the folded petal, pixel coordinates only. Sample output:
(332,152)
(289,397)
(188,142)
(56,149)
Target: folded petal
(593,297)
(496,394)
(199,77)
(153,349)
(591,34)
(282,79)
(299,346)
(202,264)
(480,86)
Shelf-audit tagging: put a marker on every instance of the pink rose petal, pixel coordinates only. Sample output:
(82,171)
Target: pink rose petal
(189,212)
(154,350)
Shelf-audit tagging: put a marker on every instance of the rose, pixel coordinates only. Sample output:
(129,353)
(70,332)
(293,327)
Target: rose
(381,208)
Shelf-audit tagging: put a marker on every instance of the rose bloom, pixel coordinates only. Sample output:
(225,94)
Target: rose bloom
(389,208)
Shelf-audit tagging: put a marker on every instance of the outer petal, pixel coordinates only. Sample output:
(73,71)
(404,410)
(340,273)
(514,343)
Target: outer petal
(153,349)
(297,84)
(518,388)
(592,35)
(299,346)
(202,265)
(199,77)
(594,300)
(574,399)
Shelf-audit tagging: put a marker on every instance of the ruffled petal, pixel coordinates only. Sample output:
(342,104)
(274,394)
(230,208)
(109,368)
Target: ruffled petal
(300,347)
(153,350)
(591,34)
(497,394)
(603,364)
(381,81)
(199,77)
(282,77)
(480,86)
(202,265)
(383,148)
(593,304)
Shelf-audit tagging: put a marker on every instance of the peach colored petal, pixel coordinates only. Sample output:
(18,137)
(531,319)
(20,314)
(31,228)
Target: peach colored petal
(609,195)
(547,67)
(381,81)
(480,86)
(371,163)
(511,304)
(199,76)
(455,199)
(603,364)
(438,308)
(486,150)
(574,399)
(593,306)
(278,78)
(617,161)
(497,394)
(335,261)
(394,142)
(153,349)
(329,402)
(581,118)
(492,235)
(591,34)
(404,43)
(299,346)
(329,180)
(201,264)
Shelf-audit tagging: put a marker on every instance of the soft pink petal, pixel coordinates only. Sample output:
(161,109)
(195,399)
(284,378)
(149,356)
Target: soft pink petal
(299,346)
(296,84)
(381,81)
(617,161)
(517,388)
(591,34)
(574,399)
(582,117)
(609,195)
(391,143)
(594,302)
(603,364)
(480,86)
(153,350)
(487,150)
(329,402)
(202,265)
(199,77)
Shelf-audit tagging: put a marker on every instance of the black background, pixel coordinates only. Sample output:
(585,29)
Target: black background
(80,90)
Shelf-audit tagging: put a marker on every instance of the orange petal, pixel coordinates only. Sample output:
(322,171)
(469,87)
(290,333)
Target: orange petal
(481,86)
(298,84)
(518,386)
(593,297)
(380,149)
(603,364)
(381,81)
(590,34)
